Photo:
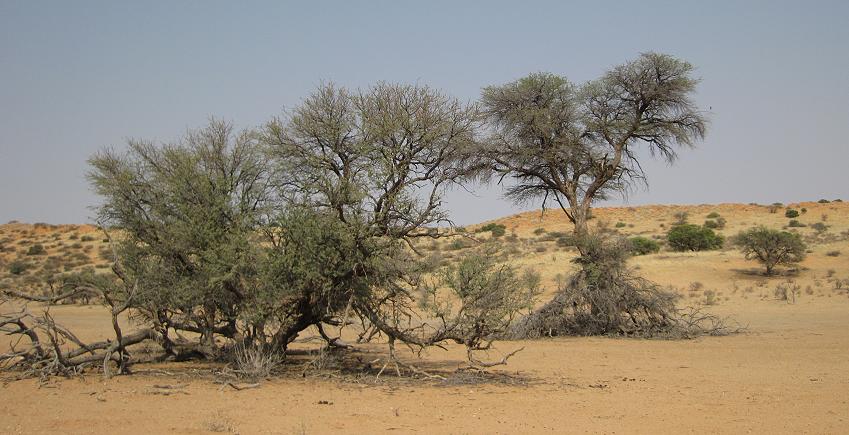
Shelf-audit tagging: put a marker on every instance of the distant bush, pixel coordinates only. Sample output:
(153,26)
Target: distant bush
(795,224)
(833,253)
(711,224)
(565,241)
(819,227)
(774,207)
(456,244)
(643,246)
(823,201)
(620,225)
(713,215)
(18,267)
(689,237)
(539,231)
(791,213)
(804,210)
(87,238)
(37,249)
(837,200)
(680,218)
(497,230)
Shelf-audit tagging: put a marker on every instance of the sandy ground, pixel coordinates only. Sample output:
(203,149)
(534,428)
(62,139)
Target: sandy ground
(788,373)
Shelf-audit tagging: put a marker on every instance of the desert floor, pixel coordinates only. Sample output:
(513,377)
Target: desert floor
(787,373)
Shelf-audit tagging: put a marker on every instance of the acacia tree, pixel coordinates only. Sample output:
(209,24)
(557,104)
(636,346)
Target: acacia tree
(771,247)
(188,212)
(375,164)
(577,144)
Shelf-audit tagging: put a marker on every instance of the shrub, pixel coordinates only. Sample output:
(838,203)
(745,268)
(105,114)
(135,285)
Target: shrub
(565,241)
(711,224)
(620,225)
(689,237)
(773,208)
(497,230)
(791,213)
(643,246)
(539,231)
(37,249)
(771,247)
(456,244)
(680,218)
(833,253)
(87,238)
(823,201)
(804,210)
(819,227)
(604,297)
(18,267)
(710,297)
(795,224)
(713,215)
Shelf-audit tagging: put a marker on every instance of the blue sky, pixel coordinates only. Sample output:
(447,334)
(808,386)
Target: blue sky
(79,76)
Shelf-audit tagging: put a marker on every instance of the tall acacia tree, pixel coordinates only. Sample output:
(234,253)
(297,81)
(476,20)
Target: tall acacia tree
(577,144)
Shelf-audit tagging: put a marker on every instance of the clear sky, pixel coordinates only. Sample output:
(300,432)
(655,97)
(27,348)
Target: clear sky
(76,76)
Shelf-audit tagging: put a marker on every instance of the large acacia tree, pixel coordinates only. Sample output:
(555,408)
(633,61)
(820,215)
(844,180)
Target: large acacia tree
(246,239)
(376,163)
(578,143)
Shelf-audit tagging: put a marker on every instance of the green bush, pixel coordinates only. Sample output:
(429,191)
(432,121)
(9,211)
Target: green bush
(795,224)
(713,215)
(539,231)
(37,249)
(497,230)
(457,244)
(711,224)
(643,246)
(690,237)
(791,213)
(620,225)
(565,241)
(18,267)
(823,201)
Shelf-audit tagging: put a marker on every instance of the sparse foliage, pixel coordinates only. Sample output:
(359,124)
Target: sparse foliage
(576,144)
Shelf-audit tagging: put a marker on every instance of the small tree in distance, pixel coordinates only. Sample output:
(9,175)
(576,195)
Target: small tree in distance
(771,247)
(690,237)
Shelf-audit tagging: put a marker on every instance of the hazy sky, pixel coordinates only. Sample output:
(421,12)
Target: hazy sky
(76,76)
